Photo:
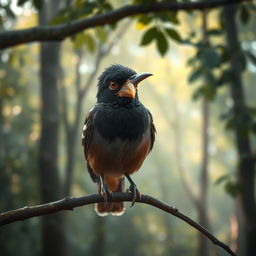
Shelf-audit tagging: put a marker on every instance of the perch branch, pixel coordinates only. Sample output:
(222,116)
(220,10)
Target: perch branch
(73,202)
(62,31)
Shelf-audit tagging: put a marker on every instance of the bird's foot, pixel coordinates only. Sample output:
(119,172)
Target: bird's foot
(135,193)
(133,189)
(105,192)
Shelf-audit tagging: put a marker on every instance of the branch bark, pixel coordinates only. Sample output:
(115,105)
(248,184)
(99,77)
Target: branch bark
(70,203)
(60,32)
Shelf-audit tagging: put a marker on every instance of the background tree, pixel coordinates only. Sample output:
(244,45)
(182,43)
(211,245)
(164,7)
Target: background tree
(53,235)
(241,121)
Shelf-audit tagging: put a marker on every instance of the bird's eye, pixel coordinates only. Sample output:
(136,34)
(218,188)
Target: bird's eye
(113,86)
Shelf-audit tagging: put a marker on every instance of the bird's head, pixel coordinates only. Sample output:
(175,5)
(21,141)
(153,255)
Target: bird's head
(118,82)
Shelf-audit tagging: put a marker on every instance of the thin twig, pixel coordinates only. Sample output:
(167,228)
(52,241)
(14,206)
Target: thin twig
(73,202)
(62,31)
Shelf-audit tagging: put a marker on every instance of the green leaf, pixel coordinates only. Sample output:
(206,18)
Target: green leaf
(244,14)
(192,61)
(63,15)
(146,19)
(90,43)
(206,91)
(58,20)
(103,6)
(232,188)
(214,32)
(241,121)
(170,17)
(195,75)
(101,33)
(149,36)
(225,77)
(38,4)
(173,34)
(224,53)
(209,92)
(21,2)
(78,3)
(209,57)
(221,179)
(198,93)
(231,123)
(86,9)
(162,43)
(79,41)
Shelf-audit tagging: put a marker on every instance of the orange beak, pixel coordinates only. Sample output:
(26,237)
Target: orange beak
(129,88)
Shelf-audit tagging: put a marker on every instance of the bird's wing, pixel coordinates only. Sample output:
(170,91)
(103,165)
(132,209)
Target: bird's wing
(152,130)
(86,139)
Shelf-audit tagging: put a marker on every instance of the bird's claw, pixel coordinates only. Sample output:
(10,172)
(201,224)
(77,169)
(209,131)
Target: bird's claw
(105,193)
(135,193)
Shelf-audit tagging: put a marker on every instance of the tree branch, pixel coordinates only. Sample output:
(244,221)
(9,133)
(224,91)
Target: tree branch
(60,32)
(73,202)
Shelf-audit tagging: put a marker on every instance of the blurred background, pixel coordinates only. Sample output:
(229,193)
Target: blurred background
(202,97)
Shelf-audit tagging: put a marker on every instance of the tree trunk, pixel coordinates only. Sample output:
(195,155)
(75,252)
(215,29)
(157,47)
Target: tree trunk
(72,128)
(53,239)
(240,240)
(98,247)
(246,164)
(203,243)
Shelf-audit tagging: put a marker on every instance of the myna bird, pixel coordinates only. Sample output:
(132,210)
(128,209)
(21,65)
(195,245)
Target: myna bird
(117,136)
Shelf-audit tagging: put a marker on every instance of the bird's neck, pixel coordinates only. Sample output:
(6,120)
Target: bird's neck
(120,102)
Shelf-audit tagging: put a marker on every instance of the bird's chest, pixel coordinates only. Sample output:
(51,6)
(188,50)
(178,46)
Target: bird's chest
(119,156)
(122,123)
(120,142)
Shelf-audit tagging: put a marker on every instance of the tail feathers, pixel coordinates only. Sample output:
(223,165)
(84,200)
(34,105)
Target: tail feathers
(113,208)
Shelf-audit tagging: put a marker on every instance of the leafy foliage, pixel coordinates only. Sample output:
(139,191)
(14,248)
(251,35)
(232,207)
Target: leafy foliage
(173,34)
(231,185)
(149,36)
(160,36)
(161,29)
(84,39)
(204,63)
(82,9)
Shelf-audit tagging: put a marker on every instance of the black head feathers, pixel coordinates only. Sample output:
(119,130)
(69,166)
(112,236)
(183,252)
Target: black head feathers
(116,73)
(118,86)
